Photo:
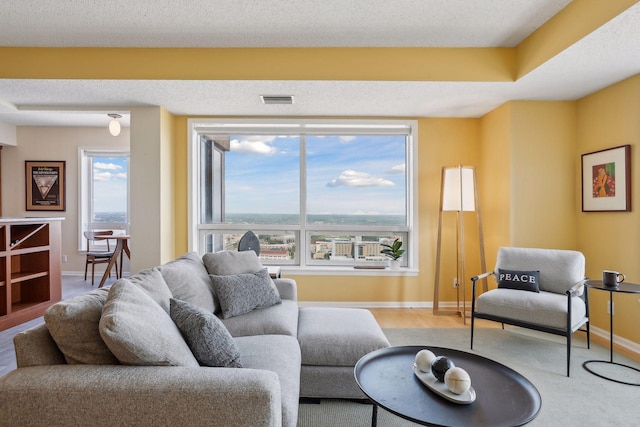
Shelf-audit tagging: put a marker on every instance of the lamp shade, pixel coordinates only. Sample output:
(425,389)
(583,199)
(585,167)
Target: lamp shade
(458,189)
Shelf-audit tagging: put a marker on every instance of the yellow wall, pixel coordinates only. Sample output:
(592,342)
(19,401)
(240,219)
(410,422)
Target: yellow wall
(609,240)
(494,176)
(543,174)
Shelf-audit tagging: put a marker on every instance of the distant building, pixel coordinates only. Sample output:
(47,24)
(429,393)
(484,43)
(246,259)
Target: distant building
(341,248)
(278,254)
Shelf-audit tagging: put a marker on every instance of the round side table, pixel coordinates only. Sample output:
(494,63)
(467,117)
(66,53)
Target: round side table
(624,287)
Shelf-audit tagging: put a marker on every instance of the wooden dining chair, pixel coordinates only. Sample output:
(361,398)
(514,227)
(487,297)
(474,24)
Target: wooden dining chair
(98,257)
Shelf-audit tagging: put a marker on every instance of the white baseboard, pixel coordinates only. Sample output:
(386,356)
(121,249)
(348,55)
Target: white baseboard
(617,340)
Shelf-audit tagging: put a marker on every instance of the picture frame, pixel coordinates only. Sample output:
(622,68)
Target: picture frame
(606,180)
(45,184)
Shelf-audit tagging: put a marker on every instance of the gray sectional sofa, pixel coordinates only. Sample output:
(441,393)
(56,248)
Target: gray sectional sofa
(196,341)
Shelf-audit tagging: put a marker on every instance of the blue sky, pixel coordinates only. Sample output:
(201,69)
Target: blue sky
(110,184)
(346,175)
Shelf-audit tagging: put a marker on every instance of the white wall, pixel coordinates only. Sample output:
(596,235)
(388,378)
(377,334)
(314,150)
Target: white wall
(53,143)
(7,134)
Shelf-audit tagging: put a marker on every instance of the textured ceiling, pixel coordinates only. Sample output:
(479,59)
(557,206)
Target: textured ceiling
(606,56)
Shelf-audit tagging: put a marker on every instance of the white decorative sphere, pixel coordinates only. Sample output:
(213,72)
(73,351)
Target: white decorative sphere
(457,380)
(424,359)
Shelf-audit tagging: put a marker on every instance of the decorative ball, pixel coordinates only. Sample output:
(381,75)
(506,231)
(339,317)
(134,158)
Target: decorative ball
(424,359)
(457,380)
(439,366)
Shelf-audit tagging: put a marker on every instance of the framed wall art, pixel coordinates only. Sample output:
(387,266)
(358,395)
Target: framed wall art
(606,180)
(45,185)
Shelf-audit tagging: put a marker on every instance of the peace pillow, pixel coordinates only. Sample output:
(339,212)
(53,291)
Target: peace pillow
(519,280)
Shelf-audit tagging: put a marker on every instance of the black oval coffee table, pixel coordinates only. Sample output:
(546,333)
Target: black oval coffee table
(503,396)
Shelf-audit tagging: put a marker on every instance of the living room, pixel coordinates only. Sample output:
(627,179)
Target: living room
(527,153)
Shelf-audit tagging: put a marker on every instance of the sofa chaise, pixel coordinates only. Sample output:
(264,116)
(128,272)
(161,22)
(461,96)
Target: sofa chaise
(195,341)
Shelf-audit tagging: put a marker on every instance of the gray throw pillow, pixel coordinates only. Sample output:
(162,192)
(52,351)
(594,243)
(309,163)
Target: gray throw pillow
(242,293)
(188,281)
(153,283)
(73,325)
(207,337)
(139,332)
(230,262)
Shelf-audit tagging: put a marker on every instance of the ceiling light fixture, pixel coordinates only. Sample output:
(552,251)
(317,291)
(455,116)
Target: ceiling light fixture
(114,124)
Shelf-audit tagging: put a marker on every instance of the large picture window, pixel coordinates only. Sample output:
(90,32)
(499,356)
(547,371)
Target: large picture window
(317,193)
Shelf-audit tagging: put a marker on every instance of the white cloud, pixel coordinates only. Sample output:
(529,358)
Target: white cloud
(102,176)
(351,178)
(398,169)
(254,144)
(347,138)
(122,175)
(106,166)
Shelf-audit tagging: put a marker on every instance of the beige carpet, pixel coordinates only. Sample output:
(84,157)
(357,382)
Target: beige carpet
(581,400)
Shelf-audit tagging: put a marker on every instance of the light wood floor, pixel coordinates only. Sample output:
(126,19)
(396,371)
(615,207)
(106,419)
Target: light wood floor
(423,318)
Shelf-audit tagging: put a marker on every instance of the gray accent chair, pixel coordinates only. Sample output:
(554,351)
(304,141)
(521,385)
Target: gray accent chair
(560,308)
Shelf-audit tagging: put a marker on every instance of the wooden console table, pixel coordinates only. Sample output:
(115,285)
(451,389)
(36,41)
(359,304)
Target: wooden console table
(30,268)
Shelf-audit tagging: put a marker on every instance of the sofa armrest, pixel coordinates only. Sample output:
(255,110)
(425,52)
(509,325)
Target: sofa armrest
(287,288)
(63,395)
(35,347)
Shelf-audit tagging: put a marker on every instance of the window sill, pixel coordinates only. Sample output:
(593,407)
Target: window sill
(345,271)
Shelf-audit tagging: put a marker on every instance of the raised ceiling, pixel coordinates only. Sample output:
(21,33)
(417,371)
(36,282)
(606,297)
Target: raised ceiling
(605,56)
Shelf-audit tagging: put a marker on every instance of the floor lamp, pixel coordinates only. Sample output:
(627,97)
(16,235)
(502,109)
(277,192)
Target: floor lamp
(459,194)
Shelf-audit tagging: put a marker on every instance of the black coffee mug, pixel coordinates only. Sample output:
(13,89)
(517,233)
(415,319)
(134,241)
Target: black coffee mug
(612,278)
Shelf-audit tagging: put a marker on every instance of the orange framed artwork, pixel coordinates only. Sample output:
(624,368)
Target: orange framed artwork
(45,184)
(606,180)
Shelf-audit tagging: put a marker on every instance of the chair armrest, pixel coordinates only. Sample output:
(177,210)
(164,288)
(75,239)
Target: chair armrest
(474,279)
(287,288)
(575,289)
(139,395)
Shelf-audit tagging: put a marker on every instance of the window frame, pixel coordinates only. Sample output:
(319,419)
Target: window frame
(85,194)
(303,263)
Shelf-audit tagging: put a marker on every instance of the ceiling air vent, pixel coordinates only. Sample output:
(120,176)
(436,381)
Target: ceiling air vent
(276,99)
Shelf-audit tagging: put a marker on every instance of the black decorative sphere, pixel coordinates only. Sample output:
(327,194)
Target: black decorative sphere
(440,366)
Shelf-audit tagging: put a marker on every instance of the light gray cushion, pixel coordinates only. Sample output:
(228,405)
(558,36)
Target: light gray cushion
(242,293)
(337,336)
(230,262)
(559,269)
(207,337)
(188,281)
(73,325)
(279,319)
(544,308)
(153,283)
(139,332)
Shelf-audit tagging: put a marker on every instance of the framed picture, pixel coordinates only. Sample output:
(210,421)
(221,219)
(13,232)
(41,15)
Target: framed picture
(45,184)
(606,180)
